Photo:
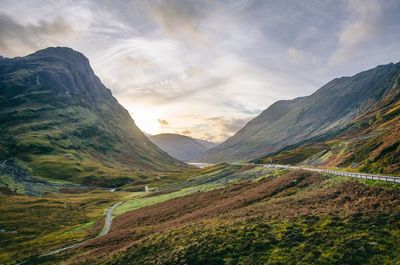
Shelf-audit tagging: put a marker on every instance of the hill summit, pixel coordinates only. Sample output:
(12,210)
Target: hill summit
(59,121)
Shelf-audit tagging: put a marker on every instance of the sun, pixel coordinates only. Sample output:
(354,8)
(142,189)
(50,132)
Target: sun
(146,119)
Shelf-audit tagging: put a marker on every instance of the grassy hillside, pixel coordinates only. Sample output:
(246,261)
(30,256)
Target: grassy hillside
(370,144)
(330,109)
(294,218)
(59,121)
(31,226)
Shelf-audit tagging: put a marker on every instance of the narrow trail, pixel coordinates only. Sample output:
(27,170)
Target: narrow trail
(108,220)
(104,231)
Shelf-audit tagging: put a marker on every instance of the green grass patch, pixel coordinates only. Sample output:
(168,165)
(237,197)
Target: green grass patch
(305,240)
(35,225)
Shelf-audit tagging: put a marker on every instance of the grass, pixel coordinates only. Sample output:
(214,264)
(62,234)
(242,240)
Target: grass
(40,224)
(203,180)
(137,203)
(244,234)
(35,225)
(295,218)
(313,240)
(293,156)
(73,142)
(139,200)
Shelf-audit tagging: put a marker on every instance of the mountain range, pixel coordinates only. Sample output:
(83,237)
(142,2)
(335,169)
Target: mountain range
(81,184)
(343,104)
(182,147)
(59,121)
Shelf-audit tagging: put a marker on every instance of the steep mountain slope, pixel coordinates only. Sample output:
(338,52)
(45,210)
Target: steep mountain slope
(58,121)
(330,109)
(207,144)
(371,143)
(181,147)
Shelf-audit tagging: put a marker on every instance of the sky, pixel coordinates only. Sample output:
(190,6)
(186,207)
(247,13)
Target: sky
(205,68)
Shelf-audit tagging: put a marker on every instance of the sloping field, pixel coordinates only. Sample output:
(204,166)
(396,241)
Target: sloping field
(298,218)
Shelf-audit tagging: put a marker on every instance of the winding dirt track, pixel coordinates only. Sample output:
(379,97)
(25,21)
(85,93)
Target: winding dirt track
(108,220)
(106,229)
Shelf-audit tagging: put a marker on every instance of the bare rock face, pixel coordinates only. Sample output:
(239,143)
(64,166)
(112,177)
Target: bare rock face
(65,72)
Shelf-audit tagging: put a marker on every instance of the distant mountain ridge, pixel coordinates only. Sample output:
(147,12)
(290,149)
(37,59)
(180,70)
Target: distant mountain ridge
(181,147)
(59,121)
(331,108)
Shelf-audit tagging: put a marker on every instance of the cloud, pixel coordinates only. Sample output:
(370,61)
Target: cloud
(209,137)
(302,57)
(208,66)
(363,27)
(229,125)
(186,132)
(225,127)
(163,122)
(180,19)
(17,39)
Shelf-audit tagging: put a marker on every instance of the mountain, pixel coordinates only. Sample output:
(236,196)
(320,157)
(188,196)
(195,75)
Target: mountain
(331,109)
(58,121)
(207,144)
(370,143)
(181,147)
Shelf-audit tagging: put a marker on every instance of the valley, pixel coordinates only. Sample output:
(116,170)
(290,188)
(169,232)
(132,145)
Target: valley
(283,214)
(309,181)
(248,198)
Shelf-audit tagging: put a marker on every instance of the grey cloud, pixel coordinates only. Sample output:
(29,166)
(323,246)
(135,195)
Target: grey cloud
(245,109)
(152,53)
(17,39)
(363,27)
(186,132)
(174,90)
(180,18)
(210,137)
(163,122)
(228,126)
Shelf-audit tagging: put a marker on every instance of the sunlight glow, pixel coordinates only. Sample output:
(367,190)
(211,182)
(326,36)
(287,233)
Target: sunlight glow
(146,120)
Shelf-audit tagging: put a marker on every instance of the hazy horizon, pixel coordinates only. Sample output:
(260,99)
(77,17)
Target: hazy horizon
(203,68)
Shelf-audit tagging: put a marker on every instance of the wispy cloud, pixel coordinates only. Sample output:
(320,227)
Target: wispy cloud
(17,38)
(225,127)
(162,122)
(207,67)
(302,57)
(180,19)
(363,26)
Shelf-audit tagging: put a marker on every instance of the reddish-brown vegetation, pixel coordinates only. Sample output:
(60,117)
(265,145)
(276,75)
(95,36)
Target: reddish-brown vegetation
(268,199)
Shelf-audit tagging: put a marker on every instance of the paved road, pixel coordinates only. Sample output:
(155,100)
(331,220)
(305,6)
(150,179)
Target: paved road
(392,179)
